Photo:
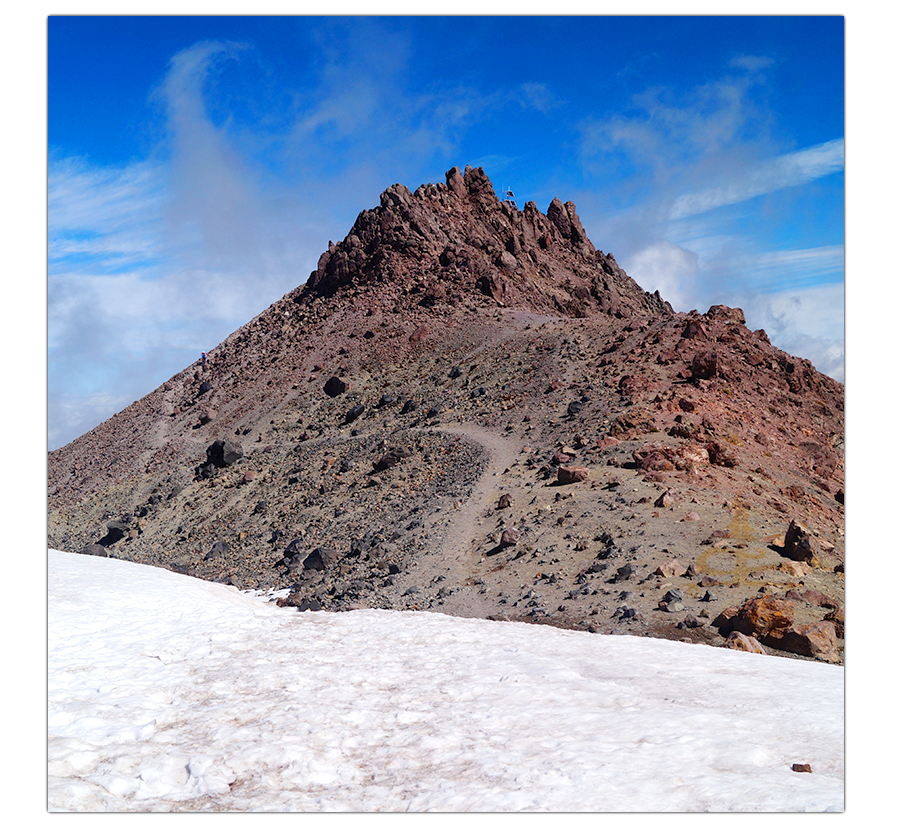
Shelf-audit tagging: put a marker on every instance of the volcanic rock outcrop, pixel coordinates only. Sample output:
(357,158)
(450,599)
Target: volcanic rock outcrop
(445,241)
(467,408)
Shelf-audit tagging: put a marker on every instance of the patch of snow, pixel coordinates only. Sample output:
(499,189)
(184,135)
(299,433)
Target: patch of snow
(171,693)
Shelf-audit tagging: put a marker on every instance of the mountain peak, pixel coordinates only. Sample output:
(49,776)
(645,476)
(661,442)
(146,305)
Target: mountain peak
(470,409)
(457,238)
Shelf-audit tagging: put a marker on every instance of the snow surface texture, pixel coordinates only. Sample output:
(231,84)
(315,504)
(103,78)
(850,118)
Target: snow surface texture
(170,693)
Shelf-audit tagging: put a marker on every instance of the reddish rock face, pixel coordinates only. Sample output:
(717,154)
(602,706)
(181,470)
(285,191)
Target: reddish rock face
(760,616)
(568,474)
(457,237)
(817,640)
(653,460)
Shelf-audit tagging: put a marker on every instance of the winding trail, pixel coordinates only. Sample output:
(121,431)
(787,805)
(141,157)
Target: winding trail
(458,543)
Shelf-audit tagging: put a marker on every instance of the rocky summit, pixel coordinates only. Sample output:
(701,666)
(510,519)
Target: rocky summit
(469,409)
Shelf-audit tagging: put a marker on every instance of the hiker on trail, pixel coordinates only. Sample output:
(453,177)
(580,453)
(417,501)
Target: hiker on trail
(203,359)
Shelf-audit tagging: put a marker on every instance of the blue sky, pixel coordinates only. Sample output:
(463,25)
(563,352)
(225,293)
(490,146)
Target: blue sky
(197,167)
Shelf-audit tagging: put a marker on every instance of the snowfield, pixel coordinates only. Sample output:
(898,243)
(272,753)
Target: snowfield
(169,693)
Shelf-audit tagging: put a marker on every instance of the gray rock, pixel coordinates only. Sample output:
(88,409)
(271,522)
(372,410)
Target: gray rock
(394,455)
(219,549)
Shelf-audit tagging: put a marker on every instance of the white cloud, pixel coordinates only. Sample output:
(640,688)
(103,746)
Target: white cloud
(153,262)
(668,268)
(806,321)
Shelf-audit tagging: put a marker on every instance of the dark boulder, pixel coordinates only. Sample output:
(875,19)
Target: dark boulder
(354,413)
(705,365)
(115,531)
(335,386)
(223,452)
(321,558)
(510,537)
(800,545)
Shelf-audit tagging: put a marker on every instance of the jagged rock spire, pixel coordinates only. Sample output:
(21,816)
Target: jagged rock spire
(453,239)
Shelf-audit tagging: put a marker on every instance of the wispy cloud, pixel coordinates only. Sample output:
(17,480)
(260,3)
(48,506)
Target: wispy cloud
(110,215)
(784,270)
(673,135)
(785,171)
(751,63)
(537,96)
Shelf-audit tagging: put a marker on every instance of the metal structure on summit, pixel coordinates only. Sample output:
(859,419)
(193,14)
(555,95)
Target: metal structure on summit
(510,197)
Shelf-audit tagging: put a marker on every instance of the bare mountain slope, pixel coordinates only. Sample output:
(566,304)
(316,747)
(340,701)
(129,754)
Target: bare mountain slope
(469,409)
